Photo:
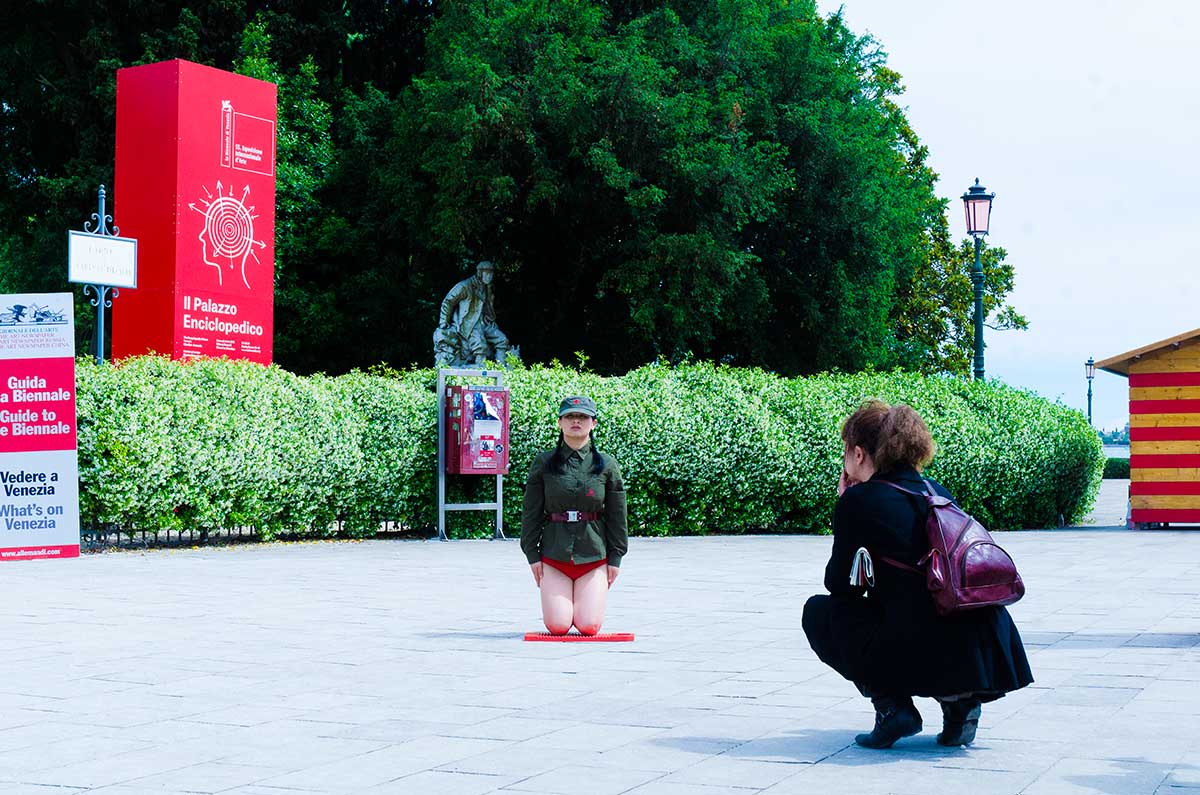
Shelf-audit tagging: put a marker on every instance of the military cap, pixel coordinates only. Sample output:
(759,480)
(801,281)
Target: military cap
(577,404)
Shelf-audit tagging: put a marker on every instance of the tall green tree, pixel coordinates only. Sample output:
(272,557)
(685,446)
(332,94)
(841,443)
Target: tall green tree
(57,115)
(936,311)
(57,108)
(726,179)
(729,180)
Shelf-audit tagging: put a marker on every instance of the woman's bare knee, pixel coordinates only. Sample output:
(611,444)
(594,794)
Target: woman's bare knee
(588,627)
(557,620)
(557,627)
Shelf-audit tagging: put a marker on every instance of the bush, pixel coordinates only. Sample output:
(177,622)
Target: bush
(1116,469)
(215,443)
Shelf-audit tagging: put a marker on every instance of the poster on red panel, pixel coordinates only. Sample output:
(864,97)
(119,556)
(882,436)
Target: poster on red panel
(39,477)
(225,276)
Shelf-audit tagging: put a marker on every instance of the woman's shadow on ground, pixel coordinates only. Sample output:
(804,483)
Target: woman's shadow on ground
(810,746)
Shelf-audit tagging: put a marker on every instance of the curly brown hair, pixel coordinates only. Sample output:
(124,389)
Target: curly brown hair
(894,436)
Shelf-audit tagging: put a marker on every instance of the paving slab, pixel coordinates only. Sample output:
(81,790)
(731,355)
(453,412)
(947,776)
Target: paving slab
(399,667)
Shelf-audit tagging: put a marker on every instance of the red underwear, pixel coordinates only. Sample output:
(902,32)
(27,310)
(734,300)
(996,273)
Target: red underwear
(573,570)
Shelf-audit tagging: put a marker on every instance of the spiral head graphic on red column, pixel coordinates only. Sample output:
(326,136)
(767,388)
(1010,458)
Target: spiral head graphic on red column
(229,227)
(228,231)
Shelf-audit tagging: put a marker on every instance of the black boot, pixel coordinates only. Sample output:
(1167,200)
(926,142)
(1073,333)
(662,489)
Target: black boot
(894,718)
(960,719)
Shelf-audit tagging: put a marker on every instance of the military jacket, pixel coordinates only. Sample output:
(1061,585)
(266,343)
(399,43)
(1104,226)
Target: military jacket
(576,489)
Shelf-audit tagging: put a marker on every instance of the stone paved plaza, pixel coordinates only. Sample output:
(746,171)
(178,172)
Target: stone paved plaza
(398,667)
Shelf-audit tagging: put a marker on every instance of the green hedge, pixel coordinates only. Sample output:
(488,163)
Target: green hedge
(214,443)
(1116,469)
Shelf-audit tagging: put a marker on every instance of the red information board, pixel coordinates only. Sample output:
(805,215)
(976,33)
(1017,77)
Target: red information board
(39,471)
(477,430)
(195,184)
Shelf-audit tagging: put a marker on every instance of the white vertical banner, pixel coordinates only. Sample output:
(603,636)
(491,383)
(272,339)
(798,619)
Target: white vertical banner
(39,468)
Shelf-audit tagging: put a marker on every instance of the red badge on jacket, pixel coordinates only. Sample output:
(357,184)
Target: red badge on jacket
(591,492)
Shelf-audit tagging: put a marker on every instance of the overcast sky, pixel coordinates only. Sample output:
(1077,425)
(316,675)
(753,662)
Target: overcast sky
(1082,118)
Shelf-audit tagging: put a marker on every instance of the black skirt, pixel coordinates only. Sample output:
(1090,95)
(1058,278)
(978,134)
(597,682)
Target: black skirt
(906,649)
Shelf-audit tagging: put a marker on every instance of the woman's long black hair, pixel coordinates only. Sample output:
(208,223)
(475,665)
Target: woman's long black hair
(558,461)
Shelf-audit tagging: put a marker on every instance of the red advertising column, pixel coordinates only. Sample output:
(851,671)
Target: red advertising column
(39,472)
(195,184)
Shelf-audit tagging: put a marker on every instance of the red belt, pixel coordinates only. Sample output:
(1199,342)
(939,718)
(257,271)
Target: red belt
(575,516)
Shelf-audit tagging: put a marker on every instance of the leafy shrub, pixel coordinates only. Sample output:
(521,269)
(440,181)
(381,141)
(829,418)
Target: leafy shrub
(215,443)
(1116,469)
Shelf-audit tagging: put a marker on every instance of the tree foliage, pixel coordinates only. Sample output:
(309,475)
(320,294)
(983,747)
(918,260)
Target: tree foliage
(935,318)
(58,92)
(724,179)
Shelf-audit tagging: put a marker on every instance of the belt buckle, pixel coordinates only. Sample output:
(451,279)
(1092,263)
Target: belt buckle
(572,516)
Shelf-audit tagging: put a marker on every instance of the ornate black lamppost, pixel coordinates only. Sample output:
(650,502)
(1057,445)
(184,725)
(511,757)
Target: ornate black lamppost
(978,204)
(1090,368)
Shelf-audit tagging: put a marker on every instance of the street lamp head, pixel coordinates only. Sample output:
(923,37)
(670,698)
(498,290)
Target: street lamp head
(978,204)
(1090,367)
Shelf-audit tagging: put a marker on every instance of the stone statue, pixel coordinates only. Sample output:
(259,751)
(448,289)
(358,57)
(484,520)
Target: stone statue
(467,333)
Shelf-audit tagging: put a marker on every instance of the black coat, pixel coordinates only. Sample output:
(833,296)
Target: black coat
(889,638)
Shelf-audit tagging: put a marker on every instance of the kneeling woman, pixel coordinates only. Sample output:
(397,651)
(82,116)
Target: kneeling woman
(889,639)
(573,528)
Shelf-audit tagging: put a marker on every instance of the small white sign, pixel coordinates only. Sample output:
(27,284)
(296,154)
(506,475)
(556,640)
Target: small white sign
(101,259)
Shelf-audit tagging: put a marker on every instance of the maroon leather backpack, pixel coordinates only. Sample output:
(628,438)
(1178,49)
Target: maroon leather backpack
(965,568)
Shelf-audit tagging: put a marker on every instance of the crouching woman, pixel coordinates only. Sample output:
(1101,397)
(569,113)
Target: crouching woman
(889,639)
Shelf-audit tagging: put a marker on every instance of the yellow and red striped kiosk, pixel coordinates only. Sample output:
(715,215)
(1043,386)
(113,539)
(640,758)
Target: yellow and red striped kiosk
(1164,429)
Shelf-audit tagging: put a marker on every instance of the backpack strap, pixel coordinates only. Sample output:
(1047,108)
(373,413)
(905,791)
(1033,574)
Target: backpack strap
(929,492)
(891,561)
(897,564)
